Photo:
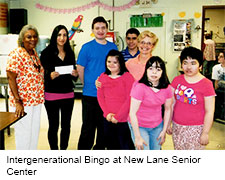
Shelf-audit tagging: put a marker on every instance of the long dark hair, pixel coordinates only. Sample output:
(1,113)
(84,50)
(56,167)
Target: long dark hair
(120,59)
(163,81)
(53,40)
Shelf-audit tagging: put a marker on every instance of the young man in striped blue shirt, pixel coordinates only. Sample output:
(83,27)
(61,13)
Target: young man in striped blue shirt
(131,50)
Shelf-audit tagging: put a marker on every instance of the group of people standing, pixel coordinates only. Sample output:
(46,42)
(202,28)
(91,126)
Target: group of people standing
(127,96)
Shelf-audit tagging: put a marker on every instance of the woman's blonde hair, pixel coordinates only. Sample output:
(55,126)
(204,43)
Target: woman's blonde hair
(148,34)
(23,31)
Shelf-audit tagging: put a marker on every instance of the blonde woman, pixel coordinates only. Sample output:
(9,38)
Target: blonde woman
(146,44)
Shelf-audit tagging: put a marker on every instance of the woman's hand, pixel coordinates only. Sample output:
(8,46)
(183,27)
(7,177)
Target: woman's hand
(162,137)
(139,143)
(98,84)
(113,120)
(74,73)
(169,130)
(109,116)
(54,75)
(19,108)
(204,139)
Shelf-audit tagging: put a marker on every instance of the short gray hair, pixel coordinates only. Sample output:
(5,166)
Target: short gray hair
(23,31)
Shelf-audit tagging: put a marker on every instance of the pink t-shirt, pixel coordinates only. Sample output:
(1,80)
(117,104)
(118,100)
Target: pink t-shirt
(189,108)
(114,95)
(135,67)
(149,114)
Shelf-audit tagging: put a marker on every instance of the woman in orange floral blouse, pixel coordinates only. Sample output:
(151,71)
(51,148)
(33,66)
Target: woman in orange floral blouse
(26,81)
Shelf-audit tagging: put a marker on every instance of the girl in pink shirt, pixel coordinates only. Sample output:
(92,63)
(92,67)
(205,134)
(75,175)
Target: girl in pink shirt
(147,96)
(114,99)
(194,103)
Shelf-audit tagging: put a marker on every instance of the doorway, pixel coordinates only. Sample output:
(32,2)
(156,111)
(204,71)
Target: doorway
(213,22)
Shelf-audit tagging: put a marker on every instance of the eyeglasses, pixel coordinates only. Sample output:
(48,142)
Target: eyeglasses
(30,37)
(147,43)
(131,38)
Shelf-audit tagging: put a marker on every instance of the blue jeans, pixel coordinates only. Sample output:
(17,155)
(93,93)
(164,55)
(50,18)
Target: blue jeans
(150,136)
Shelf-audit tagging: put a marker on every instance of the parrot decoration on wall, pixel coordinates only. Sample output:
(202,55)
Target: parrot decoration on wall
(75,27)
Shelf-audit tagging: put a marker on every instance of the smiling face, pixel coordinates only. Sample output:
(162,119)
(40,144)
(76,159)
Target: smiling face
(100,30)
(146,45)
(154,73)
(30,40)
(61,37)
(131,41)
(190,67)
(113,65)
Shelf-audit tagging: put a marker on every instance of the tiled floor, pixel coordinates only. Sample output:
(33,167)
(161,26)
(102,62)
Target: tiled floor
(217,134)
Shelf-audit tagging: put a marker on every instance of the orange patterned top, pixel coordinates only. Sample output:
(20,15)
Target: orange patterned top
(30,82)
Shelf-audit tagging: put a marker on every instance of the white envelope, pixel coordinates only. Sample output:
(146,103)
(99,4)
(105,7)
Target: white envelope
(64,69)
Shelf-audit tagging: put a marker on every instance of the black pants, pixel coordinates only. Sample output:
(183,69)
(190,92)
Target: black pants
(117,136)
(220,104)
(54,108)
(207,68)
(92,117)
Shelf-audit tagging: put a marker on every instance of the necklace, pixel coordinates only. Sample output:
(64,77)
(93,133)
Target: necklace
(38,67)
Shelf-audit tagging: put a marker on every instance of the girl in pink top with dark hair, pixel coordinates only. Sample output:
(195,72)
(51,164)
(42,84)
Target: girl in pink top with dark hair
(148,129)
(114,99)
(194,103)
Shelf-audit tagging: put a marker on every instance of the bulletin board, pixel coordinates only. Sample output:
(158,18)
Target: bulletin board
(182,33)
(146,20)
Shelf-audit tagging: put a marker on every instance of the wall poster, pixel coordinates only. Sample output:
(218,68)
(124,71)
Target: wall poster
(3,14)
(182,34)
